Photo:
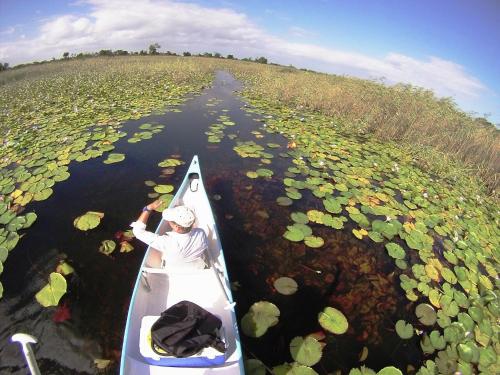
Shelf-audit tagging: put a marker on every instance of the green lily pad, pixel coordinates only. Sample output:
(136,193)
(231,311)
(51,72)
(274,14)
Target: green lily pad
(285,285)
(163,189)
(404,330)
(51,293)
(252,174)
(114,158)
(426,314)
(90,220)
(314,241)
(107,247)
(170,163)
(294,234)
(259,318)
(307,351)
(395,251)
(284,201)
(300,218)
(254,367)
(390,370)
(333,320)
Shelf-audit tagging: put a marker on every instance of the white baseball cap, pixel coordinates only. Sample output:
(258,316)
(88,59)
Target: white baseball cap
(181,215)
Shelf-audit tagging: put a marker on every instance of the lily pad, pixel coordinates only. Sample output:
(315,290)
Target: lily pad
(307,351)
(426,314)
(114,158)
(314,241)
(285,285)
(404,330)
(259,318)
(163,189)
(333,320)
(51,293)
(395,251)
(107,247)
(90,220)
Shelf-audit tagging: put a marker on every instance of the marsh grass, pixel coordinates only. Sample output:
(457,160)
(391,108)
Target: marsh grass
(444,138)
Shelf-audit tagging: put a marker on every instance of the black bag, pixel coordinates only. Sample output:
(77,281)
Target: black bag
(184,329)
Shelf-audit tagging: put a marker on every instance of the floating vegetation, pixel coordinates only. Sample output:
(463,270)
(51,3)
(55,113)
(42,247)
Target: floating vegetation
(261,316)
(114,158)
(333,320)
(53,291)
(107,247)
(285,285)
(89,220)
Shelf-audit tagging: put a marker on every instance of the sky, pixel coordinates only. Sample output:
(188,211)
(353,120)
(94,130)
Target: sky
(449,46)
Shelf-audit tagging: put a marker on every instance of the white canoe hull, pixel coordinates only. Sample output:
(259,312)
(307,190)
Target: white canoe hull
(157,289)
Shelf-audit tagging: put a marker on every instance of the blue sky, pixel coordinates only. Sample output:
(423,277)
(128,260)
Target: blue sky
(449,46)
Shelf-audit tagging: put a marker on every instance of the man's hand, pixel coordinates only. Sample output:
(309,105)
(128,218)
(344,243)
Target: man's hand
(153,206)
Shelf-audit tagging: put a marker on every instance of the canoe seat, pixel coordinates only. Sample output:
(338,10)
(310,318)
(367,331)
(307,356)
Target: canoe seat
(207,357)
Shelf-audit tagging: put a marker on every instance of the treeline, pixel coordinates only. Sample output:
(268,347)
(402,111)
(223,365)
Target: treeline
(153,49)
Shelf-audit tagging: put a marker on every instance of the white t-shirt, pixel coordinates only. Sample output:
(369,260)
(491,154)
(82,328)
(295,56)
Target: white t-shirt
(178,249)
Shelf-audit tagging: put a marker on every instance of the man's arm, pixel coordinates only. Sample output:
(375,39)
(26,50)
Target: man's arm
(139,226)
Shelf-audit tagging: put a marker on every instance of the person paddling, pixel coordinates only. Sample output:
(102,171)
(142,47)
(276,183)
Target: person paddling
(183,246)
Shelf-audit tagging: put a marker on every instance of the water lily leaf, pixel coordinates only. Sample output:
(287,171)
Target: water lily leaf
(390,370)
(395,251)
(315,216)
(360,233)
(262,172)
(88,221)
(313,241)
(375,236)
(307,351)
(51,293)
(125,247)
(432,272)
(170,163)
(30,219)
(298,369)
(285,285)
(259,318)
(426,344)
(426,314)
(42,194)
(107,247)
(363,370)
(4,253)
(468,352)
(437,341)
(294,234)
(149,183)
(252,174)
(163,189)
(404,330)
(448,275)
(64,268)
(254,367)
(114,158)
(333,320)
(10,241)
(300,218)
(284,201)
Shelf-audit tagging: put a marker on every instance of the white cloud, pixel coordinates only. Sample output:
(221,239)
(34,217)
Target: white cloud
(300,32)
(177,26)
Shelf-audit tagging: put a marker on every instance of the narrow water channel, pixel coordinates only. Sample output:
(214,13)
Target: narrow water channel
(251,226)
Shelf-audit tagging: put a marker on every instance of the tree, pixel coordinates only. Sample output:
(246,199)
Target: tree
(105,52)
(217,55)
(186,53)
(261,60)
(153,49)
(120,52)
(4,66)
(65,55)
(207,54)
(230,57)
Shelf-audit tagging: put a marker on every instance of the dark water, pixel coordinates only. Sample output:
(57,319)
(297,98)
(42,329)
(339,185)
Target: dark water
(99,291)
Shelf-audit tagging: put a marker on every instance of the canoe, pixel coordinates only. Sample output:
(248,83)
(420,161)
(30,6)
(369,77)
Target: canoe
(158,288)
